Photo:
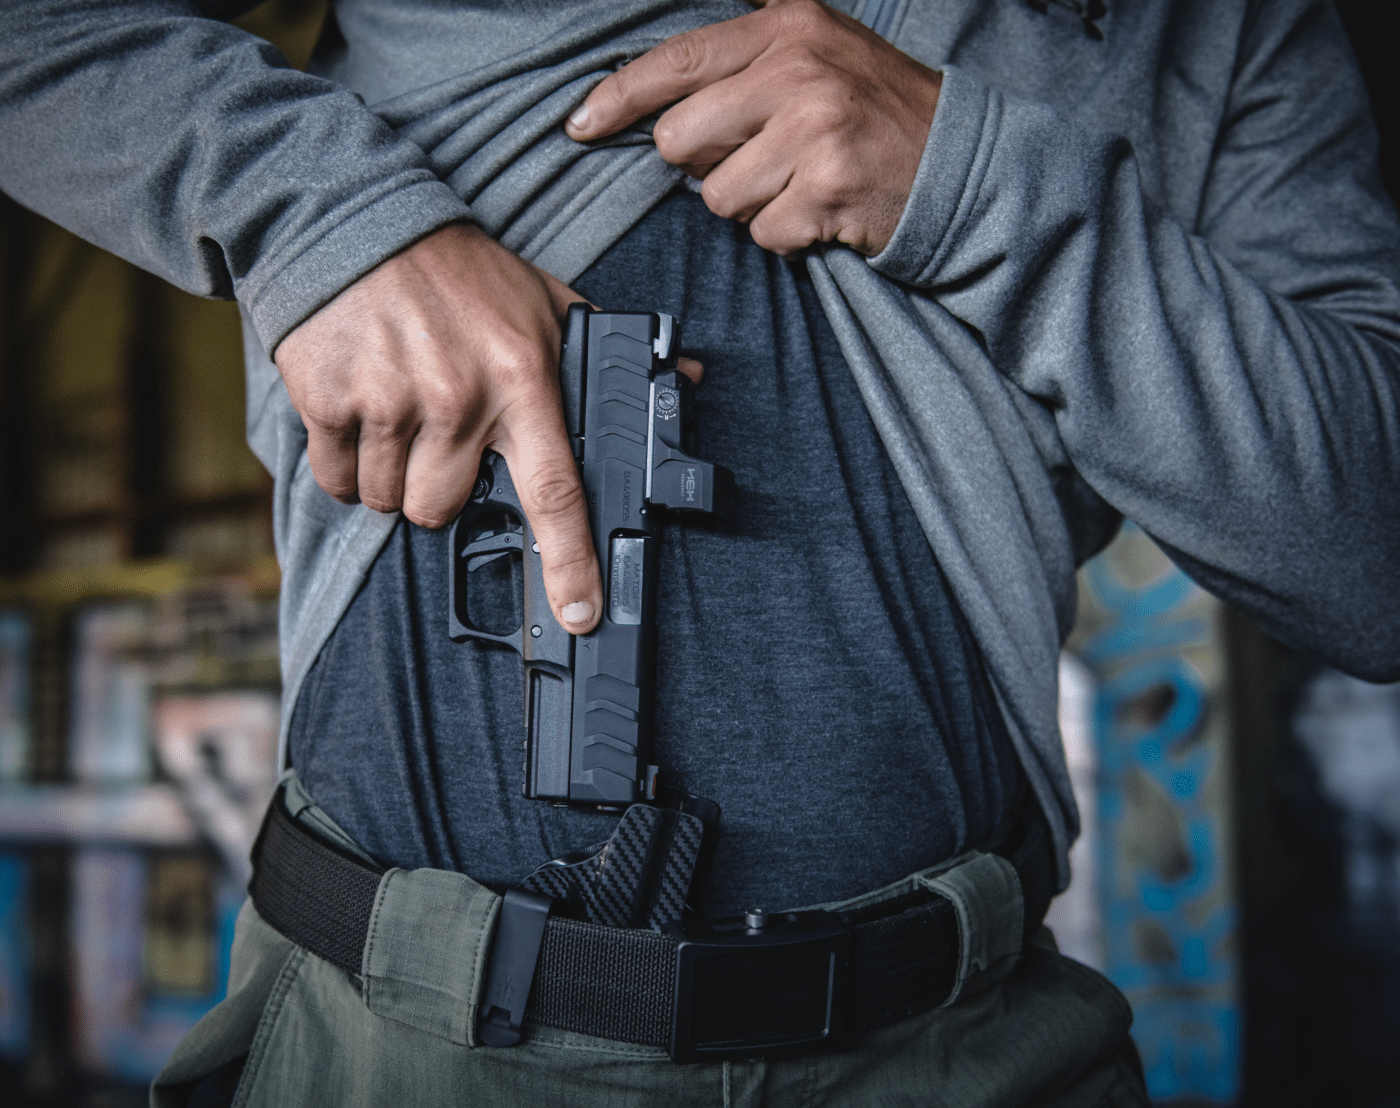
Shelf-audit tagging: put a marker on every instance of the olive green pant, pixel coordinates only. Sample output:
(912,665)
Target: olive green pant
(1038,1029)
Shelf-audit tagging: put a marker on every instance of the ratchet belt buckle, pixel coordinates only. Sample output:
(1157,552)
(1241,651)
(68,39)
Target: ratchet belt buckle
(744,990)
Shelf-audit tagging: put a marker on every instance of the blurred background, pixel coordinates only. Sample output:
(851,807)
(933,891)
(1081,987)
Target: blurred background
(1239,875)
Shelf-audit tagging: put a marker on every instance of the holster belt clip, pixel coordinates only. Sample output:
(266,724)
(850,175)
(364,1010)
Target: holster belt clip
(744,990)
(514,955)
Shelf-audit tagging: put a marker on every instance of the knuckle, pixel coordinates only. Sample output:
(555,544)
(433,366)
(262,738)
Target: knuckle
(719,197)
(555,494)
(770,242)
(517,364)
(782,236)
(667,139)
(803,69)
(382,504)
(826,111)
(453,407)
(684,54)
(431,516)
(826,184)
(338,488)
(387,424)
(333,415)
(567,561)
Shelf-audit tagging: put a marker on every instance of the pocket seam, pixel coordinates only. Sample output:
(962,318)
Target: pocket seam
(271,1012)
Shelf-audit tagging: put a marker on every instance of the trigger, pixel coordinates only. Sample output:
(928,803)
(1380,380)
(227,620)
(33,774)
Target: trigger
(475,563)
(495,544)
(485,550)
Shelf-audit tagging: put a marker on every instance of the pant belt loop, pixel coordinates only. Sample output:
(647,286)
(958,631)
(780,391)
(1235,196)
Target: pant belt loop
(986,894)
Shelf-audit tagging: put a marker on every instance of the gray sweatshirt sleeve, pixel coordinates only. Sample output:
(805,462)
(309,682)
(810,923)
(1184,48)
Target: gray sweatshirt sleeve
(1233,385)
(191,149)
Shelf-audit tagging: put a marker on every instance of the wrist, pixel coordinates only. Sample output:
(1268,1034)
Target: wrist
(948,170)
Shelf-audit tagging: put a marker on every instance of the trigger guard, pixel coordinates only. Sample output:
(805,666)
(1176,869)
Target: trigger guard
(483,552)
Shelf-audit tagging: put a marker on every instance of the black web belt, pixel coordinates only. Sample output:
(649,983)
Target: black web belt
(621,983)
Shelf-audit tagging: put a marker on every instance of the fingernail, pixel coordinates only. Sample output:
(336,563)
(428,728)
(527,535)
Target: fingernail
(580,611)
(579,120)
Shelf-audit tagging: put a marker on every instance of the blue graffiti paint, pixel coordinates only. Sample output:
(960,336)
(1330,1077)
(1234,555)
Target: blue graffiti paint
(1186,1018)
(1140,638)
(138,1056)
(14,956)
(1197,1047)
(1184,785)
(126,1029)
(1160,597)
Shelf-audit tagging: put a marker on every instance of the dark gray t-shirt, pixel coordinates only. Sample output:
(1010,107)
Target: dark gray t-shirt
(815,677)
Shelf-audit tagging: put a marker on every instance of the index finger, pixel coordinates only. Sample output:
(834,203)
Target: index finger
(542,467)
(681,65)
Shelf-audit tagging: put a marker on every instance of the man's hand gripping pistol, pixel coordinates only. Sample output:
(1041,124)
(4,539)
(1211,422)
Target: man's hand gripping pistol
(589,699)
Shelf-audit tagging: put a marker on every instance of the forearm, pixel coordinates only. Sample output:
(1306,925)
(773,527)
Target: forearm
(190,148)
(1234,387)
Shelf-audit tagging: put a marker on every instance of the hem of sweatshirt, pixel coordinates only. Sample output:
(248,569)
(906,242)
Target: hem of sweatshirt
(364,536)
(346,252)
(946,183)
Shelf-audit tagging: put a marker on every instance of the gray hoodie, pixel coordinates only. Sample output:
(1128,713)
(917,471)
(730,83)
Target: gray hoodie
(1147,268)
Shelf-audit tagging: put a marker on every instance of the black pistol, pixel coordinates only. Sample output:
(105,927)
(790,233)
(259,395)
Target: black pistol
(589,699)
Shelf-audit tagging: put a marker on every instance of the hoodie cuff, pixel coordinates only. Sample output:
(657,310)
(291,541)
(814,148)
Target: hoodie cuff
(350,247)
(945,188)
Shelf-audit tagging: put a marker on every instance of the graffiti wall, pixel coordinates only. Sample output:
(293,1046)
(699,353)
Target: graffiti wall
(164,743)
(14,871)
(1152,640)
(14,957)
